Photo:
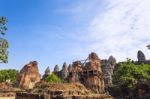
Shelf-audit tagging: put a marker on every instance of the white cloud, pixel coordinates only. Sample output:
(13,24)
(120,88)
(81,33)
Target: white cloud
(120,30)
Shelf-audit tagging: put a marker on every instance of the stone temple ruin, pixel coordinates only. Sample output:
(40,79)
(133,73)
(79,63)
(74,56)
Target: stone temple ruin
(88,73)
(83,78)
(93,72)
(28,76)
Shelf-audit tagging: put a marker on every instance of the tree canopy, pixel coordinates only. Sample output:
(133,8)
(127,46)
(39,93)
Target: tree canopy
(127,75)
(8,75)
(148,46)
(3,42)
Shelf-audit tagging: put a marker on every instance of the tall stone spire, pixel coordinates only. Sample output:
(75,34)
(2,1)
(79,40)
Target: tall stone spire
(56,70)
(141,56)
(47,73)
(112,61)
(95,63)
(69,68)
(64,71)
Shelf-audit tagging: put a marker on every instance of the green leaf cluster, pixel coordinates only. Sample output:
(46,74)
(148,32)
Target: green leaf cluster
(8,74)
(52,78)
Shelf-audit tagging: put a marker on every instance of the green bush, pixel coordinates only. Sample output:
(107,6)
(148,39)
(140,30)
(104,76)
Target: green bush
(52,78)
(8,74)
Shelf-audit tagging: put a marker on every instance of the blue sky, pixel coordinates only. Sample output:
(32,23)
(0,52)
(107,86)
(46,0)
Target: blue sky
(56,31)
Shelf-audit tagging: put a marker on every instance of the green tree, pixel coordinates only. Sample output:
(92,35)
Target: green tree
(8,74)
(3,42)
(52,78)
(127,75)
(3,27)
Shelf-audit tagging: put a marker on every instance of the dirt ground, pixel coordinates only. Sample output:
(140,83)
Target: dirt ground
(7,97)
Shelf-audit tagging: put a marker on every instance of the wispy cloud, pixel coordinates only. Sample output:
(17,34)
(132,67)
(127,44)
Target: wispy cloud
(120,30)
(123,27)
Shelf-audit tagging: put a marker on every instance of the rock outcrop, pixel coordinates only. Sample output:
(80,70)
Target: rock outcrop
(28,76)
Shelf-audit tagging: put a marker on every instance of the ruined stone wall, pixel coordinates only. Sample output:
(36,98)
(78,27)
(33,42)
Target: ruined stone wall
(48,96)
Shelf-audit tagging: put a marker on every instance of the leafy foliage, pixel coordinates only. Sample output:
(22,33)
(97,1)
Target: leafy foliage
(128,75)
(3,27)
(8,74)
(3,42)
(52,78)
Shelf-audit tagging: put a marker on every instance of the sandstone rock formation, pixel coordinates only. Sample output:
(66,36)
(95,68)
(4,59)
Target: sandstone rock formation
(28,76)
(141,56)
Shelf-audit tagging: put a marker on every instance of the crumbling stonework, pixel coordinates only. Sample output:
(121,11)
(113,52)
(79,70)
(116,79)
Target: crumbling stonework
(4,85)
(88,73)
(61,91)
(107,72)
(108,66)
(28,76)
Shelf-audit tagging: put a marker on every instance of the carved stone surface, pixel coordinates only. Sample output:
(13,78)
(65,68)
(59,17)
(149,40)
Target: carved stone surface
(141,56)
(28,76)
